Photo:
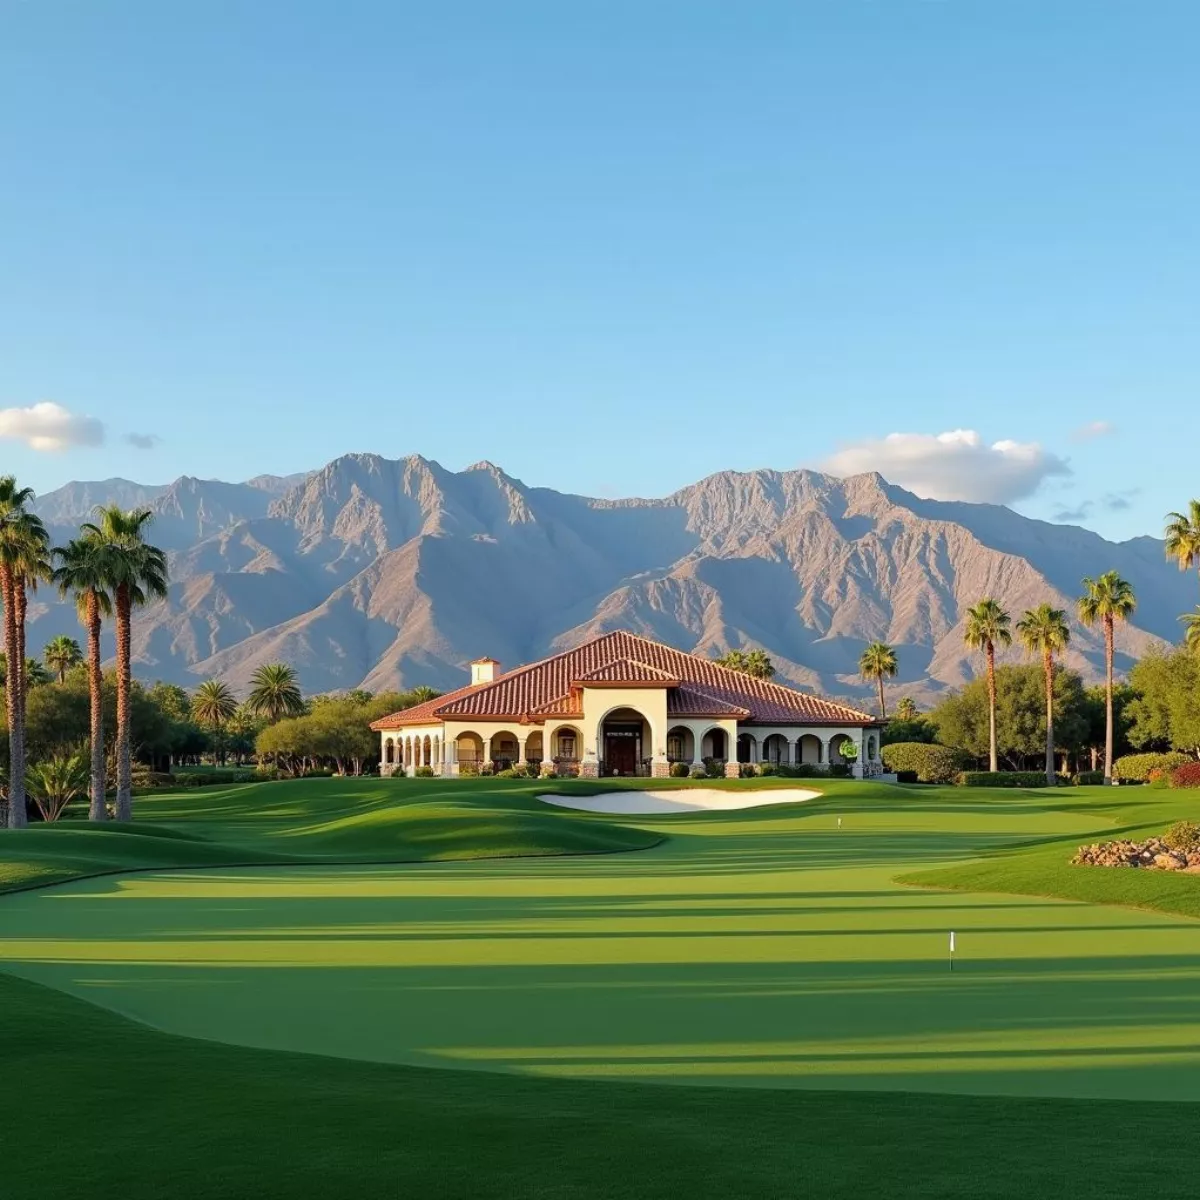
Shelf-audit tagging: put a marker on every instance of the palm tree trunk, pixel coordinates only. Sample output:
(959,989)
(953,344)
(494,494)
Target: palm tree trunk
(17,759)
(1108,693)
(1048,663)
(17,818)
(97,809)
(882,710)
(993,764)
(124,806)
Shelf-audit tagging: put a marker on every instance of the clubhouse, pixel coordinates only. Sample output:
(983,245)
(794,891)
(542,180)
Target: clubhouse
(622,705)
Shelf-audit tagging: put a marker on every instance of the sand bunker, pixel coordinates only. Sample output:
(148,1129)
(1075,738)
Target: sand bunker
(685,800)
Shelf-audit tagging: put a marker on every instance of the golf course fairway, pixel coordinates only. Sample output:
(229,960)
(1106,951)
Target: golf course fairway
(764,948)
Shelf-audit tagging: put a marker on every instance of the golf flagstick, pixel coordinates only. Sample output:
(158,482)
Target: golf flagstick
(952,950)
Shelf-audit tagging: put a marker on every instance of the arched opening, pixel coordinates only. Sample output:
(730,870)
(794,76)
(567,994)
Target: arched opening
(504,750)
(468,750)
(872,748)
(714,745)
(535,749)
(389,752)
(407,753)
(835,747)
(565,743)
(625,743)
(776,749)
(427,751)
(747,748)
(808,749)
(681,745)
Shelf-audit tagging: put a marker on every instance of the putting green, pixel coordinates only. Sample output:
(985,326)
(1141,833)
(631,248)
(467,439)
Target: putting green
(759,948)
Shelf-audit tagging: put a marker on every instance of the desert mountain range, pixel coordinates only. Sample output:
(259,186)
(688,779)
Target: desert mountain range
(380,573)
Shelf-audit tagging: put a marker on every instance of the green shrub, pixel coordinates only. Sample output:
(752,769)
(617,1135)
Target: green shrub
(424,772)
(507,773)
(1186,776)
(1183,835)
(699,772)
(467,770)
(219,778)
(1088,778)
(714,768)
(680,770)
(520,770)
(804,771)
(548,770)
(1136,768)
(747,770)
(932,763)
(840,771)
(768,768)
(267,771)
(1005,779)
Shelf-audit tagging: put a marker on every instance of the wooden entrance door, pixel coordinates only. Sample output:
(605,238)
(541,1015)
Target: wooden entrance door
(621,751)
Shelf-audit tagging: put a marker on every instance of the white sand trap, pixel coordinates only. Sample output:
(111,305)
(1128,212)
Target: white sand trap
(644,804)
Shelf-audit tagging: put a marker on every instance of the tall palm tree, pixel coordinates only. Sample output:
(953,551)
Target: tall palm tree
(83,571)
(274,693)
(1191,632)
(1108,600)
(23,542)
(907,709)
(878,660)
(1043,630)
(759,665)
(1183,536)
(988,627)
(137,575)
(61,654)
(214,704)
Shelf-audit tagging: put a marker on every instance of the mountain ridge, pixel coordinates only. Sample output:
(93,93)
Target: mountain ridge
(385,572)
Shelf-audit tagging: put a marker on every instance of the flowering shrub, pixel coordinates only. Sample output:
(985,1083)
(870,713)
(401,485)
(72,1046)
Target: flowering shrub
(1186,776)
(1136,768)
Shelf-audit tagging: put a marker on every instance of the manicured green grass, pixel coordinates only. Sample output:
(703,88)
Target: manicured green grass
(305,821)
(765,949)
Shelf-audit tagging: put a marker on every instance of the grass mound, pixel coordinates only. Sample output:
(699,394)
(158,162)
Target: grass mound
(309,821)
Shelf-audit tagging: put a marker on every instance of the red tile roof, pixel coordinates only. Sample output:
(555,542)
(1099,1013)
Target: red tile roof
(544,689)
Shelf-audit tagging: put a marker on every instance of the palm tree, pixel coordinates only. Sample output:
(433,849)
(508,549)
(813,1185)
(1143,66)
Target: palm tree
(1108,600)
(987,628)
(421,693)
(83,572)
(23,541)
(759,665)
(61,654)
(137,574)
(907,709)
(56,782)
(214,704)
(274,693)
(33,673)
(1191,633)
(1183,536)
(1043,630)
(878,660)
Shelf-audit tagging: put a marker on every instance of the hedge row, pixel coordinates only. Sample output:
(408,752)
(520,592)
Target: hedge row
(1186,776)
(1006,779)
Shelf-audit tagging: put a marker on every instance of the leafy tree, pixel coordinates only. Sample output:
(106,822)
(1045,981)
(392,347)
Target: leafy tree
(1191,630)
(906,709)
(1043,630)
(172,700)
(1107,600)
(213,704)
(55,782)
(33,675)
(1182,536)
(274,693)
(83,572)
(755,663)
(987,628)
(1096,714)
(23,549)
(877,661)
(917,729)
(963,719)
(61,654)
(137,574)
(1164,714)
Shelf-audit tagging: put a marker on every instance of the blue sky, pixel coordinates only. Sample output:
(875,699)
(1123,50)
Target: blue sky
(611,246)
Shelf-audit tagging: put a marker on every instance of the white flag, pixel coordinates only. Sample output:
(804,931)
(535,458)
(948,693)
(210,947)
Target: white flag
(952,941)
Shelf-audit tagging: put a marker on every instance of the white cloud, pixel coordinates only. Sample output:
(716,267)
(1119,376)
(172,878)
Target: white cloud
(956,465)
(48,426)
(143,441)
(1092,430)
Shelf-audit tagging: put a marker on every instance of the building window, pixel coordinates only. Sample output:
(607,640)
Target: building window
(675,747)
(566,745)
